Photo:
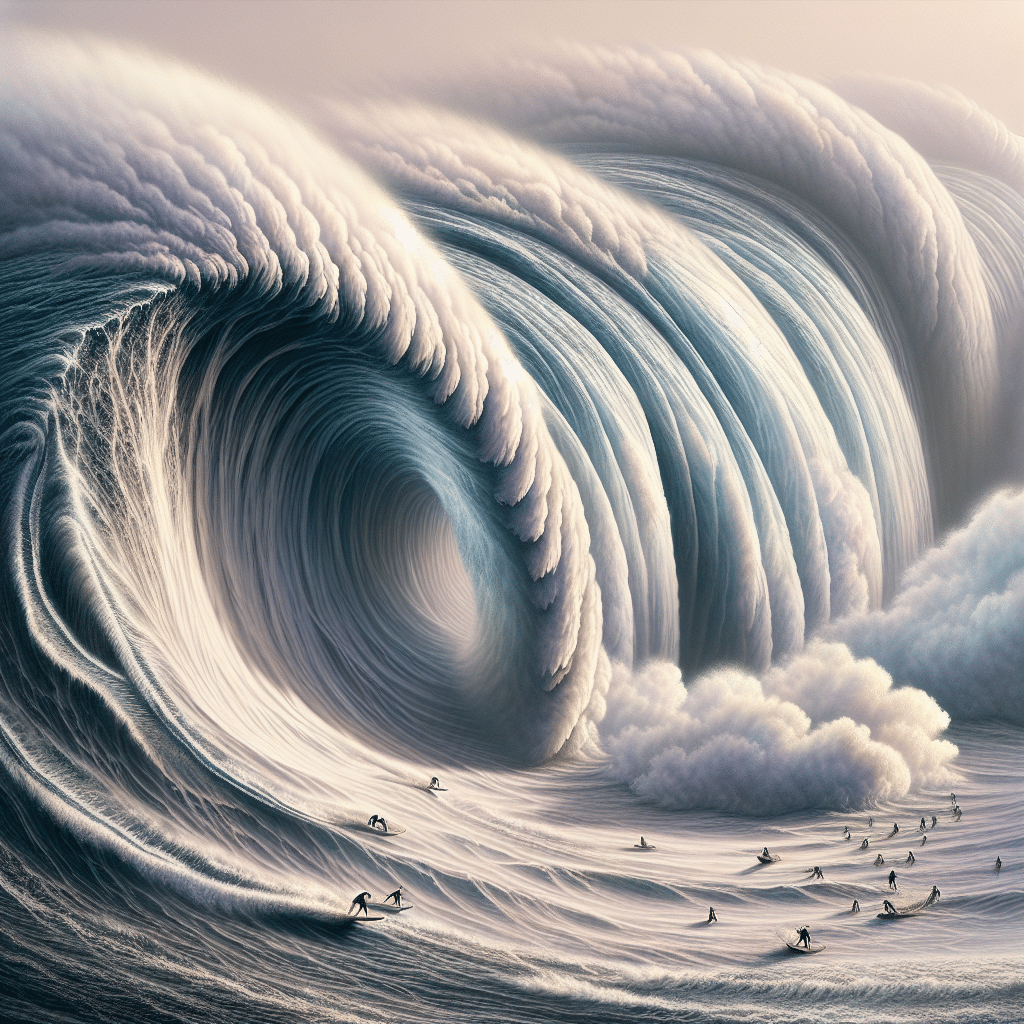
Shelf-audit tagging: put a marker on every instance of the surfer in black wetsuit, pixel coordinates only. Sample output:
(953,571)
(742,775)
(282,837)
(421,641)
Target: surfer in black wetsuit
(887,907)
(952,799)
(396,896)
(879,861)
(999,864)
(924,839)
(895,828)
(803,936)
(434,784)
(864,844)
(934,894)
(360,901)
(892,881)
(373,821)
(871,822)
(816,872)
(643,843)
(922,825)
(712,916)
(935,821)
(910,856)
(765,853)
(855,909)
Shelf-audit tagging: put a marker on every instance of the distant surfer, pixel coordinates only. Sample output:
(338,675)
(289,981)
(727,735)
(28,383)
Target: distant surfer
(892,881)
(396,896)
(846,831)
(855,909)
(712,916)
(879,861)
(934,894)
(803,936)
(864,844)
(871,822)
(766,854)
(643,843)
(910,856)
(999,864)
(816,872)
(360,901)
(952,799)
(895,828)
(957,812)
(434,783)
(887,907)
(373,821)
(935,821)
(924,839)
(922,826)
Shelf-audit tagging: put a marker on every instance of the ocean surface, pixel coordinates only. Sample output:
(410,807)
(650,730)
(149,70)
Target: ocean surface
(631,440)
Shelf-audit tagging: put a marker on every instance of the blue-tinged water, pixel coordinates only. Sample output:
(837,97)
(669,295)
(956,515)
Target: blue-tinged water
(640,457)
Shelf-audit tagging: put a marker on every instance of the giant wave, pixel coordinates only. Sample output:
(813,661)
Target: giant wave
(590,419)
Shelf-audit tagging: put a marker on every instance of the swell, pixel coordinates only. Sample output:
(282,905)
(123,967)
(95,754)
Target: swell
(559,449)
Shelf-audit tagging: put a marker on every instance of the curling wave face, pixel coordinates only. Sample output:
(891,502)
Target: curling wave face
(486,467)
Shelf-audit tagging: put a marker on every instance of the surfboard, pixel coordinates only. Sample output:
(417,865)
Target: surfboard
(392,830)
(437,789)
(769,860)
(813,948)
(637,846)
(390,908)
(375,917)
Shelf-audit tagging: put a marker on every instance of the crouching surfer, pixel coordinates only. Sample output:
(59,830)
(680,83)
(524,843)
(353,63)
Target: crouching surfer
(360,901)
(803,937)
(887,907)
(396,896)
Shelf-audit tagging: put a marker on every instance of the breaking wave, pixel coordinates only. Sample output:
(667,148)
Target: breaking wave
(549,421)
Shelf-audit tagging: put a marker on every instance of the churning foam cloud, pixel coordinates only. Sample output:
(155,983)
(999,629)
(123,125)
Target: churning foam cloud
(824,730)
(957,627)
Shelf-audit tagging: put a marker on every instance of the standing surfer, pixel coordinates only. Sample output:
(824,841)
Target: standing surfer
(892,881)
(803,936)
(712,916)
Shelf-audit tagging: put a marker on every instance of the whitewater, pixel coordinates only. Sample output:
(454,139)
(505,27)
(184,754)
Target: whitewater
(631,440)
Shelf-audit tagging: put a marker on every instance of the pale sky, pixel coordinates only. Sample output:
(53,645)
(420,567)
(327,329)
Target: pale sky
(294,47)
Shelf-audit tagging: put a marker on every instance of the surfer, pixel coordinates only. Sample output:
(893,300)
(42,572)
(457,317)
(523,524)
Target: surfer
(816,872)
(957,812)
(864,844)
(879,861)
(887,907)
(855,909)
(924,839)
(871,822)
(396,896)
(952,799)
(910,856)
(434,782)
(895,828)
(643,843)
(846,831)
(373,821)
(804,936)
(712,916)
(922,826)
(999,864)
(892,881)
(934,894)
(766,854)
(360,901)
(382,823)
(935,821)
